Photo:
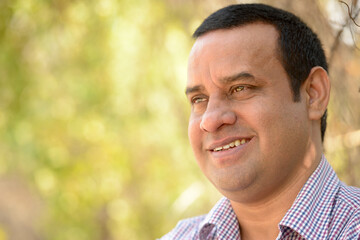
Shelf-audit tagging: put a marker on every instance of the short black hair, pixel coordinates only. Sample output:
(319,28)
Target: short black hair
(300,48)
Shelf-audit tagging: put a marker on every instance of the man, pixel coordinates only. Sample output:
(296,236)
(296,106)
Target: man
(259,89)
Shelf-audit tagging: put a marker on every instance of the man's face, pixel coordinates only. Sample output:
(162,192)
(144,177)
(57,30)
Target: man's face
(248,135)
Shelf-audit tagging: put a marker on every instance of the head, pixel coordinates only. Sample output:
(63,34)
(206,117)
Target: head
(258,86)
(299,48)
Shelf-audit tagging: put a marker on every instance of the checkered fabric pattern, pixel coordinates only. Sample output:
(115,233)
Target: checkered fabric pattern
(325,208)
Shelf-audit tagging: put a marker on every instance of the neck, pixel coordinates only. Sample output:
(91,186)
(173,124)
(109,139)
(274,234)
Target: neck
(260,219)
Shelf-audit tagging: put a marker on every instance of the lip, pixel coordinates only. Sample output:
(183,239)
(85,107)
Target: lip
(230,156)
(225,141)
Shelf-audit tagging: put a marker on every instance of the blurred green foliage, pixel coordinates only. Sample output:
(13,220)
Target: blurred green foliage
(93,118)
(91,115)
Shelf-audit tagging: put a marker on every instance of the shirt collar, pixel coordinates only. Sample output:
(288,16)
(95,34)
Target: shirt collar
(220,221)
(311,212)
(309,215)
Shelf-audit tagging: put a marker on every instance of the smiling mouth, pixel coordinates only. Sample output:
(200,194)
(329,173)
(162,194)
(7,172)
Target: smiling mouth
(233,144)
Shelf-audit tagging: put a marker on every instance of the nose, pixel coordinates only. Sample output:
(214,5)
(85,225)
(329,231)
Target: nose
(217,114)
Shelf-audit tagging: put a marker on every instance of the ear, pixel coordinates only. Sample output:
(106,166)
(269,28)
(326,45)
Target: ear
(318,92)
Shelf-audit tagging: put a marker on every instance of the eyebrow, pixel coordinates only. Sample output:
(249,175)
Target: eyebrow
(225,80)
(196,88)
(237,77)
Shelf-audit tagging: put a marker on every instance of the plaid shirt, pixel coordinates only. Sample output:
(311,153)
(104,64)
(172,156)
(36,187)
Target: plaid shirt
(325,208)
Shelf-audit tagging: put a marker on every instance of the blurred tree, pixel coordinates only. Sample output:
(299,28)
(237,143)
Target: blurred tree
(93,118)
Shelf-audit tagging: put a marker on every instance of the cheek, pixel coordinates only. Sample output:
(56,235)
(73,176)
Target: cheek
(283,126)
(194,133)
(261,116)
(269,120)
(196,138)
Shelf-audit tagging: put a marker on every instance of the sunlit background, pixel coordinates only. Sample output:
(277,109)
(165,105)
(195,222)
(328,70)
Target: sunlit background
(93,116)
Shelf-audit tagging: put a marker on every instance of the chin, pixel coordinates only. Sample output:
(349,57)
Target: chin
(234,182)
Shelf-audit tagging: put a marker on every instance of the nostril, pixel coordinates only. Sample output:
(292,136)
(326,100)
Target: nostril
(211,122)
(203,125)
(229,117)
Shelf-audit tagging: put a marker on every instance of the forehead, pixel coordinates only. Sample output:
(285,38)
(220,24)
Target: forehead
(220,51)
(257,35)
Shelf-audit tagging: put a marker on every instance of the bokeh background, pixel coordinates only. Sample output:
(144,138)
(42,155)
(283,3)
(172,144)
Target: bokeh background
(93,116)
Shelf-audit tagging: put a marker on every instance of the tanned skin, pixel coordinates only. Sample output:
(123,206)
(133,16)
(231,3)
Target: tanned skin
(239,90)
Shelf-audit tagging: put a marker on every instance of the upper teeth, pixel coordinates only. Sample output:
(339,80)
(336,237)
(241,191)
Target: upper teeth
(231,145)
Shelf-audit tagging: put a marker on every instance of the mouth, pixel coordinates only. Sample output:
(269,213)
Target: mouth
(231,145)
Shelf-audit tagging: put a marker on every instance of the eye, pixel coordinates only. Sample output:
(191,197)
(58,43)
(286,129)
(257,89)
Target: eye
(237,89)
(195,100)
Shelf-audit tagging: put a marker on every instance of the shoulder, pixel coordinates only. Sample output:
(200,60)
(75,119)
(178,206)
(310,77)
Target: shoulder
(352,228)
(185,229)
(349,196)
(349,211)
